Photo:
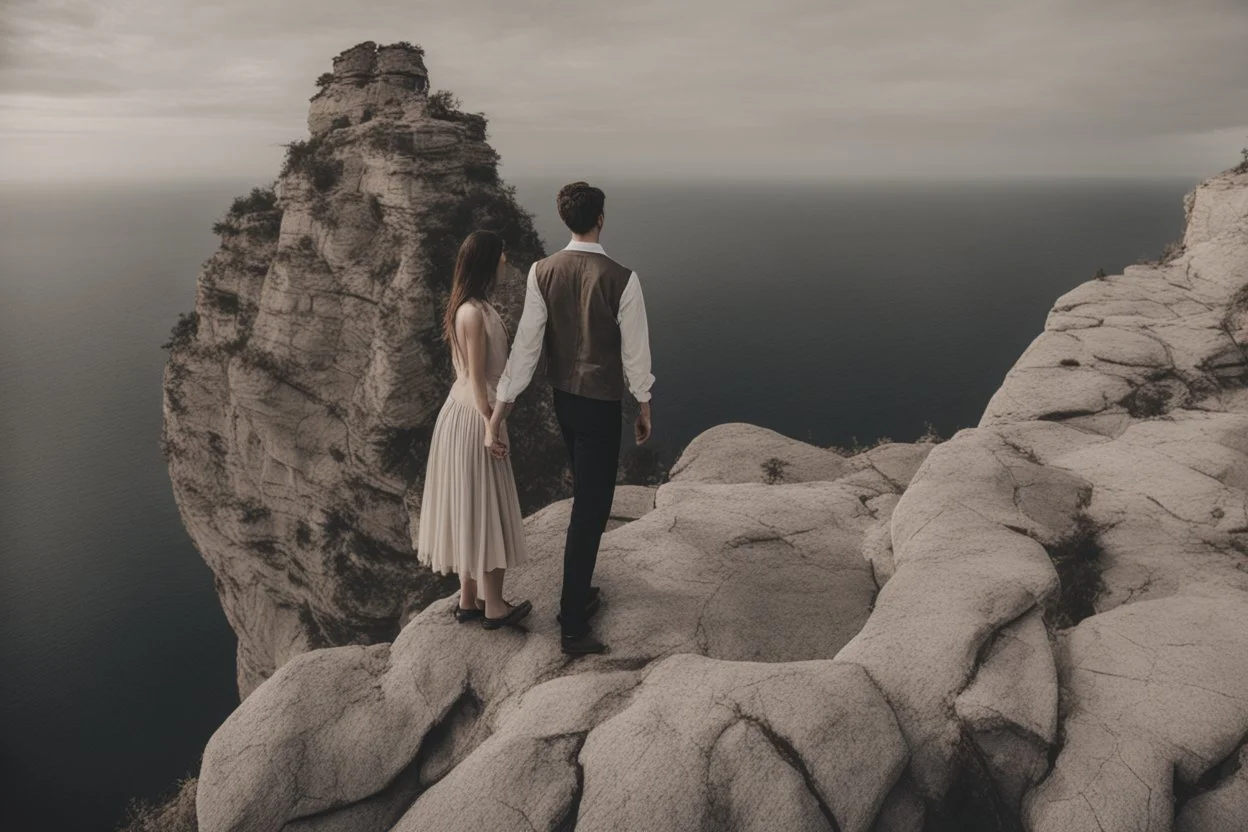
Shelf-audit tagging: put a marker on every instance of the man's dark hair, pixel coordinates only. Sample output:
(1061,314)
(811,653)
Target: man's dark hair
(580,203)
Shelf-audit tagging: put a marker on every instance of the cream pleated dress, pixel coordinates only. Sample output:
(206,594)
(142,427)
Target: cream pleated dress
(470,519)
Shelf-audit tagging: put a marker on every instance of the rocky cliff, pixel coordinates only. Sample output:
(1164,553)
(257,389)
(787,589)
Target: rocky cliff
(1041,623)
(300,394)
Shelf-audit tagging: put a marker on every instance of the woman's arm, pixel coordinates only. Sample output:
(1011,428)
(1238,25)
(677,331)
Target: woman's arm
(471,324)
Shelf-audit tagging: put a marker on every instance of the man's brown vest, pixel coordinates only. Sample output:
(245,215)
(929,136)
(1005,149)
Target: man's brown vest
(582,291)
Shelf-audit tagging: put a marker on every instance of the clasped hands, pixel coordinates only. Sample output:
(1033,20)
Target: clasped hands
(496,438)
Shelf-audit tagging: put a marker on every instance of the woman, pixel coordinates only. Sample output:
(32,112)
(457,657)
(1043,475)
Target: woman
(470,515)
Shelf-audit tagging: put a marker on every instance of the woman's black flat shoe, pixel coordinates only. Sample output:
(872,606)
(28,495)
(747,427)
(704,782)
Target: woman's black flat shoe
(462,615)
(517,612)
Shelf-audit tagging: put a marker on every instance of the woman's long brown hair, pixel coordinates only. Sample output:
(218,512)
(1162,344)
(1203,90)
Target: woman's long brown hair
(476,267)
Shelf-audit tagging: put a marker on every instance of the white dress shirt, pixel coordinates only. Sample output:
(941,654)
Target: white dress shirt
(527,347)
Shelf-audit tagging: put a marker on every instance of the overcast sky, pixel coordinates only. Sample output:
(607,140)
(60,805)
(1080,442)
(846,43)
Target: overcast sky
(169,89)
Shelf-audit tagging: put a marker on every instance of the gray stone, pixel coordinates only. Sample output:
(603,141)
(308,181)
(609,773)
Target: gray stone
(1155,695)
(757,679)
(738,453)
(1223,808)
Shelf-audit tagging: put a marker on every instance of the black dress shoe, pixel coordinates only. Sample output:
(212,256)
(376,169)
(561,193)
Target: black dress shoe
(590,608)
(583,644)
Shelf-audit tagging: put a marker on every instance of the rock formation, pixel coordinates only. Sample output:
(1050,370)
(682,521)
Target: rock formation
(1040,623)
(301,392)
(1058,642)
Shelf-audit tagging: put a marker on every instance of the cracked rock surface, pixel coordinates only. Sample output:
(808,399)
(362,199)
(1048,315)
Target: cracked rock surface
(1040,623)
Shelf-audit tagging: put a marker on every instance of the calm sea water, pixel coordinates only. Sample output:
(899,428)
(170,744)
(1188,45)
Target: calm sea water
(829,312)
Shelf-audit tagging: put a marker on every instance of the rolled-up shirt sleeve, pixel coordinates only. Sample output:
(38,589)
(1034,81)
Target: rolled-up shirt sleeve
(527,347)
(635,340)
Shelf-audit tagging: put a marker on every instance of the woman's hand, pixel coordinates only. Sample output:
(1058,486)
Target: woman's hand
(496,442)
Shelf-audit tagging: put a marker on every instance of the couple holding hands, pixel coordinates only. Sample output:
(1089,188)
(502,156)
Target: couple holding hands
(588,312)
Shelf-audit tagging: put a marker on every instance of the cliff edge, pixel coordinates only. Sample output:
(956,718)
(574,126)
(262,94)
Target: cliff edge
(300,395)
(1040,623)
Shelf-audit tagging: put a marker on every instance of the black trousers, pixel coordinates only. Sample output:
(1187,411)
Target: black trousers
(591,428)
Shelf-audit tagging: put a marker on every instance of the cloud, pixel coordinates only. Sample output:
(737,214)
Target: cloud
(715,87)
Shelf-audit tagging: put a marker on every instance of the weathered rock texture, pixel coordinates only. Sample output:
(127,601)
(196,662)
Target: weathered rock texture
(301,393)
(1059,641)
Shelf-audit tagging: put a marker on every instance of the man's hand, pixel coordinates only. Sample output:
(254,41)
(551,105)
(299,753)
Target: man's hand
(496,429)
(643,427)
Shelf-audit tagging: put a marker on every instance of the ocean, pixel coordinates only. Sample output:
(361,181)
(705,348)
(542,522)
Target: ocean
(837,312)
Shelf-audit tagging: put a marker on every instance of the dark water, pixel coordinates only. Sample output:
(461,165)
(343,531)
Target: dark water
(828,312)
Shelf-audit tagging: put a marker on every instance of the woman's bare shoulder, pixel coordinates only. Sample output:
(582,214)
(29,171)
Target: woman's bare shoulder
(469,313)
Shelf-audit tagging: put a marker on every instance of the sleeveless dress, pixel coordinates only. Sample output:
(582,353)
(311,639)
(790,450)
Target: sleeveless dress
(470,520)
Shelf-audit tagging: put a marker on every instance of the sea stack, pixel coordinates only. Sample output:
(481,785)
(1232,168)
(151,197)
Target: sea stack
(300,394)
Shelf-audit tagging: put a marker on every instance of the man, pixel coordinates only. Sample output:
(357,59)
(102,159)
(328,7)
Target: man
(589,313)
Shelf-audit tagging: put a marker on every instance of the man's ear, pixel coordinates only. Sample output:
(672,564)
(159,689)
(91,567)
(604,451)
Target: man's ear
(602,219)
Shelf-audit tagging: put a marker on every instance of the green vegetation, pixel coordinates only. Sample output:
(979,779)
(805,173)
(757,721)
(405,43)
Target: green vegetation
(281,369)
(337,523)
(642,466)
(403,452)
(370,548)
(324,79)
(266,227)
(1237,306)
(299,154)
(260,199)
(856,447)
(445,106)
(256,214)
(216,444)
(773,470)
(310,157)
(536,448)
(1152,397)
(252,510)
(484,171)
(234,346)
(454,217)
(170,448)
(172,813)
(323,212)
(223,301)
(1077,559)
(177,373)
(1170,252)
(412,47)
(390,138)
(383,273)
(183,332)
